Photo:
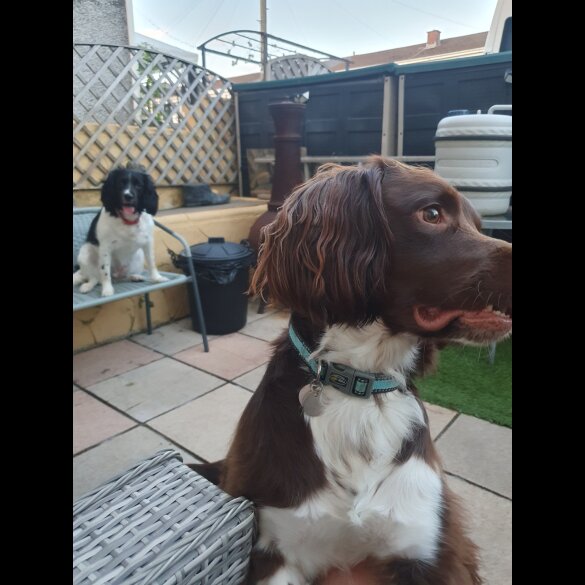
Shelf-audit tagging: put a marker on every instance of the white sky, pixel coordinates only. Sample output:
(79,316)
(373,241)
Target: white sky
(339,27)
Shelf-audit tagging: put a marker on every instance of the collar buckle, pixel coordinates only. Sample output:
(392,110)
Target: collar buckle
(349,381)
(343,378)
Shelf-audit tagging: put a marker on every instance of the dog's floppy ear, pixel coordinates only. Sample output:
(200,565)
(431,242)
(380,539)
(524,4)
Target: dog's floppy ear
(150,195)
(326,255)
(110,196)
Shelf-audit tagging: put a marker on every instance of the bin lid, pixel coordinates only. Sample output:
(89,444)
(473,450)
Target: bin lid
(218,251)
(470,126)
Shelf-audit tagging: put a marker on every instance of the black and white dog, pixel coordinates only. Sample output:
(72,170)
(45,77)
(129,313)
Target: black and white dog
(120,237)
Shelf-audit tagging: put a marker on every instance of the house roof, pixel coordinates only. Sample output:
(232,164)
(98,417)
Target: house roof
(448,48)
(465,44)
(248,78)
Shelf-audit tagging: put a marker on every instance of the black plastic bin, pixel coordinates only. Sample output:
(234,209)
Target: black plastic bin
(222,270)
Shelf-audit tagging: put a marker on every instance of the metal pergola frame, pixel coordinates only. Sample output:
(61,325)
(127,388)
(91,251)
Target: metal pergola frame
(263,42)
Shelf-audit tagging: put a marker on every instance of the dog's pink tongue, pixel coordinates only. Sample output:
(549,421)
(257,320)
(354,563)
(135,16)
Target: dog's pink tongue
(128,210)
(433,318)
(486,320)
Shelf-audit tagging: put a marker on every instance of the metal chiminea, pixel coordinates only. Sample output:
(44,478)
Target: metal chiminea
(288,121)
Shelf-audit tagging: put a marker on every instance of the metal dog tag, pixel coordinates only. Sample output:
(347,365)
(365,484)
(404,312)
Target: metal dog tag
(310,398)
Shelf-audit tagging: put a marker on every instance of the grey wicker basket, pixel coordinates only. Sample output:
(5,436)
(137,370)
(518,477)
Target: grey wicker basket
(160,523)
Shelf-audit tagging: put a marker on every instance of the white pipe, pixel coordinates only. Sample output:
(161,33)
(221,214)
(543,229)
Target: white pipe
(502,107)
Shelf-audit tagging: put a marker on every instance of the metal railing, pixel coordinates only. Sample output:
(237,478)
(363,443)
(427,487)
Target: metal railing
(136,105)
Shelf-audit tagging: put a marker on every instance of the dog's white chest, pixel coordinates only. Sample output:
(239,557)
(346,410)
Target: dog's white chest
(371,505)
(126,243)
(132,236)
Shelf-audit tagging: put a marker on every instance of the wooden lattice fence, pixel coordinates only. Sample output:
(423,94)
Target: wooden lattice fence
(136,105)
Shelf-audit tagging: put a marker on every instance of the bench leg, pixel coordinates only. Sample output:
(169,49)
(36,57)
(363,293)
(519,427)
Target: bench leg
(148,318)
(199,311)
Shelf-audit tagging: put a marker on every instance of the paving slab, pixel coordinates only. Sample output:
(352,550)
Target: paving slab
(439,418)
(229,356)
(480,452)
(268,328)
(101,363)
(171,338)
(252,379)
(156,388)
(490,523)
(94,421)
(205,426)
(99,464)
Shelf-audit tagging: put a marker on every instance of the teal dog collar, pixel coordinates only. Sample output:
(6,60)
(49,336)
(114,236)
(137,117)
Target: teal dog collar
(343,378)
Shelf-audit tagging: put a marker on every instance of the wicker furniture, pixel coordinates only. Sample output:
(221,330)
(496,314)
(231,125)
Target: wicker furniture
(160,523)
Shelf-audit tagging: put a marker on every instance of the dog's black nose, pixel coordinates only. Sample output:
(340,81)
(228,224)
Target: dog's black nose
(127,196)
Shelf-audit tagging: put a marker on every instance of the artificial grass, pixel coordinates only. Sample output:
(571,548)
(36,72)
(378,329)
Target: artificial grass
(465,381)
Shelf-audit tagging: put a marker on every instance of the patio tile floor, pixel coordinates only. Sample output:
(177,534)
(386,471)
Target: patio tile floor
(97,465)
(156,388)
(490,527)
(93,421)
(251,380)
(267,329)
(172,338)
(439,418)
(229,356)
(480,452)
(110,360)
(189,425)
(134,397)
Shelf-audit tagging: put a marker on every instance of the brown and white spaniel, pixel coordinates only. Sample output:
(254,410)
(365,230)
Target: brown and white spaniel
(378,264)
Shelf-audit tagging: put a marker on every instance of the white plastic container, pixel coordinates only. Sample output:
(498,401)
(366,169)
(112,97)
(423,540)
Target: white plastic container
(474,153)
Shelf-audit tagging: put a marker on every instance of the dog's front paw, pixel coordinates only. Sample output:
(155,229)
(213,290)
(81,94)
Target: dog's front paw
(86,287)
(107,290)
(158,278)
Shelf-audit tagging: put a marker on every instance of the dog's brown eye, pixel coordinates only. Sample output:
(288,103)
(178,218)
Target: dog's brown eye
(431,214)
